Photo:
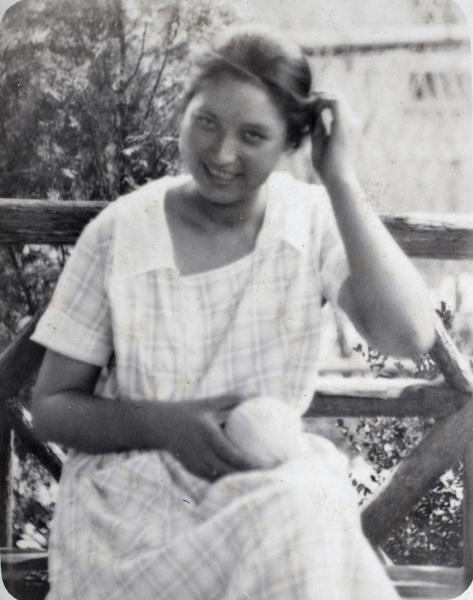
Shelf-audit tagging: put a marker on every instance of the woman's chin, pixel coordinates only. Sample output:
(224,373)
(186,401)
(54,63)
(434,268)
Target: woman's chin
(220,194)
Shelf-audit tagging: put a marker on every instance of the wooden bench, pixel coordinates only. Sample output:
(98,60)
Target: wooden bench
(44,222)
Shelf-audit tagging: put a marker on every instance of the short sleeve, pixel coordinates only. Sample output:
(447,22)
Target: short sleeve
(77,321)
(333,262)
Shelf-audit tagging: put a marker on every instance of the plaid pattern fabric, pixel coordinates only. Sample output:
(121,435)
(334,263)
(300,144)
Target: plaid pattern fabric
(138,525)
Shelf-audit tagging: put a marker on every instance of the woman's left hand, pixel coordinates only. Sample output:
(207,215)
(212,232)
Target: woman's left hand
(333,138)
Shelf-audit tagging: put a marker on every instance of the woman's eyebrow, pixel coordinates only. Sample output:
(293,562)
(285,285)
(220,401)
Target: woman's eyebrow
(207,111)
(259,126)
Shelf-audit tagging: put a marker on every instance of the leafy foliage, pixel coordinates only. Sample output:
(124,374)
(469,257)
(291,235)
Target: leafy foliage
(90,92)
(432,534)
(27,277)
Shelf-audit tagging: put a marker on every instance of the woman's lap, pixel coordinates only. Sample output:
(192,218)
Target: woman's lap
(139,527)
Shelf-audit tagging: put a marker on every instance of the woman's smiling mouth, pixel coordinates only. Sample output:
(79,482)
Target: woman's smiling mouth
(220,175)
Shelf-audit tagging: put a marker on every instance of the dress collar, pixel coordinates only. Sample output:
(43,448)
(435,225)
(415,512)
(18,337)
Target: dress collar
(143,241)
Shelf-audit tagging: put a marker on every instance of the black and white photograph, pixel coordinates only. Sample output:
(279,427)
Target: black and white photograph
(236,300)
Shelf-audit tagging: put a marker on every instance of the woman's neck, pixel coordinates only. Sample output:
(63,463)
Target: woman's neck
(207,235)
(213,216)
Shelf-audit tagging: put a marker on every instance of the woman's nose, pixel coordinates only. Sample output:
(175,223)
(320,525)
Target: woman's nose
(226,151)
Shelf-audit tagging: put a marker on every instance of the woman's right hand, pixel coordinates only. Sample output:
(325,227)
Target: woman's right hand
(195,436)
(66,411)
(333,138)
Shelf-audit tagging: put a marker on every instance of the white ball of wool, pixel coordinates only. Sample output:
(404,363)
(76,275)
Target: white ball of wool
(267,431)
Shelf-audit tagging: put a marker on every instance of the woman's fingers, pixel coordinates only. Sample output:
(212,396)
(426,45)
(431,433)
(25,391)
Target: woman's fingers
(333,137)
(326,108)
(227,452)
(320,139)
(199,440)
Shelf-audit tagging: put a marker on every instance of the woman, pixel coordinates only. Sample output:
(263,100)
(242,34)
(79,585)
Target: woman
(189,296)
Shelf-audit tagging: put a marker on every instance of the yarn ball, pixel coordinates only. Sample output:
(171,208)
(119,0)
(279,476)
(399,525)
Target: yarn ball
(267,431)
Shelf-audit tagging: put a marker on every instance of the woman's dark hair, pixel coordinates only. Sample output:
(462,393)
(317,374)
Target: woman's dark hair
(255,54)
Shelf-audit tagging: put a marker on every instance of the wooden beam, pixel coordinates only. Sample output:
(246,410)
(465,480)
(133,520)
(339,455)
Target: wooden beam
(19,360)
(433,236)
(355,396)
(45,221)
(59,221)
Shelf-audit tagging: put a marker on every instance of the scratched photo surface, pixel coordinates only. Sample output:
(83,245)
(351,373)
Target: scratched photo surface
(91,105)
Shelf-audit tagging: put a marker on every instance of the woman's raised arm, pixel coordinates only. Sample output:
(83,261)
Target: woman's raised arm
(384,295)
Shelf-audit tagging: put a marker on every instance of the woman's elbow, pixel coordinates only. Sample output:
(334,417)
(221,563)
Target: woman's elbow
(42,414)
(420,340)
(410,339)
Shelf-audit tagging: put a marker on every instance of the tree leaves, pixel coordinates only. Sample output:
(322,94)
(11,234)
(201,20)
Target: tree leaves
(82,80)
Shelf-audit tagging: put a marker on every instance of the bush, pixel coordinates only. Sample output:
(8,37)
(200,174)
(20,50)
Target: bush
(90,92)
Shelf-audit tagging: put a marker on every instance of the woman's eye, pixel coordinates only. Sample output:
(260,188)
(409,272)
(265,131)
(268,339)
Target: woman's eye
(206,123)
(253,137)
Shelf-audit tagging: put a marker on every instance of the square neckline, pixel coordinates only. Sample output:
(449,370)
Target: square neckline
(234,265)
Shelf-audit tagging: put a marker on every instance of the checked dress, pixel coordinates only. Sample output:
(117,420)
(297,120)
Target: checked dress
(137,525)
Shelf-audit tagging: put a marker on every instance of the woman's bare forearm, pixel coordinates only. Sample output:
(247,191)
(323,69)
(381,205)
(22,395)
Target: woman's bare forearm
(67,411)
(384,295)
(390,296)
(94,424)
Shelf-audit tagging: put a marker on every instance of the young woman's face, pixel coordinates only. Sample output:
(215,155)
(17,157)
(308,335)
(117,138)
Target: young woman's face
(232,137)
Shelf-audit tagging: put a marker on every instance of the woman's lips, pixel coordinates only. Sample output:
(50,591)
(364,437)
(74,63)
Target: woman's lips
(220,174)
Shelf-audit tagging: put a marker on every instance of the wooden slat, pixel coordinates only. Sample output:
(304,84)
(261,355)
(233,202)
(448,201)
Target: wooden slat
(49,222)
(355,396)
(44,221)
(433,236)
(427,581)
(410,581)
(24,573)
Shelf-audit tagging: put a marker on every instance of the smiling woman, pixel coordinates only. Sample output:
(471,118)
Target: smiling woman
(190,296)
(232,138)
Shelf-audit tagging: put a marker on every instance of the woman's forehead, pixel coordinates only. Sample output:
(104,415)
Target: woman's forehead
(237,97)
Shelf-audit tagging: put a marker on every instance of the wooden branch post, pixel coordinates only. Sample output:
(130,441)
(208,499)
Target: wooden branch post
(446,441)
(17,363)
(468,513)
(5,477)
(457,373)
(25,433)
(19,360)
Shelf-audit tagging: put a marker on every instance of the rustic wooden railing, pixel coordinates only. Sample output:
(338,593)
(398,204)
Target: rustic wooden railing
(449,400)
